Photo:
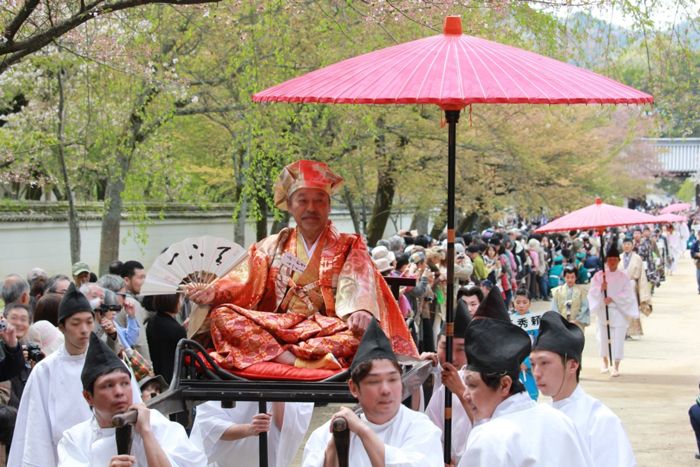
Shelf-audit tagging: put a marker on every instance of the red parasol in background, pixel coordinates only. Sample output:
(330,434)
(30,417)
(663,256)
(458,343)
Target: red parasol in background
(670,218)
(453,71)
(599,216)
(675,207)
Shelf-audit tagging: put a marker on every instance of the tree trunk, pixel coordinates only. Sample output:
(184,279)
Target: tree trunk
(240,163)
(347,197)
(420,221)
(468,223)
(440,223)
(278,225)
(73,221)
(111,222)
(261,223)
(386,187)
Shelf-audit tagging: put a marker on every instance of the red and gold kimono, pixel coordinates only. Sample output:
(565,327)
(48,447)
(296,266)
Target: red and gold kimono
(283,300)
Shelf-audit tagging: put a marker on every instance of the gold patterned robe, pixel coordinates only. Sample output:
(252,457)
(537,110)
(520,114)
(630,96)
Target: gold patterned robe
(282,300)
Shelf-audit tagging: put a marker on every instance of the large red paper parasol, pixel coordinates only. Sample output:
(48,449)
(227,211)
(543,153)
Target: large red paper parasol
(453,71)
(676,207)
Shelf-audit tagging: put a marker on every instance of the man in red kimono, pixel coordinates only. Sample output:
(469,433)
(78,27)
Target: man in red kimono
(306,295)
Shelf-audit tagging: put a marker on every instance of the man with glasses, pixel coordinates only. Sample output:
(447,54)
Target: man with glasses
(109,329)
(570,301)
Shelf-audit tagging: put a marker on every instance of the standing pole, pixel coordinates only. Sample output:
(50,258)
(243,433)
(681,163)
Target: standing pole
(605,295)
(452,117)
(262,438)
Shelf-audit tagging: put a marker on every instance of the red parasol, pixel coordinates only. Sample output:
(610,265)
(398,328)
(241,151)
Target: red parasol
(670,218)
(453,71)
(675,207)
(597,216)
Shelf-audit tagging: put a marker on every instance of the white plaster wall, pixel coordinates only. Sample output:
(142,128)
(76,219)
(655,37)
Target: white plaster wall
(25,245)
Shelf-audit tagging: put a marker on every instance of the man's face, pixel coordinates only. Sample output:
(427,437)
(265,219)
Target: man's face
(482,399)
(310,208)
(379,393)
(636,235)
(550,372)
(647,233)
(570,279)
(521,304)
(459,358)
(150,391)
(19,318)
(111,395)
(95,291)
(81,278)
(62,286)
(627,247)
(612,262)
(472,303)
(76,330)
(135,282)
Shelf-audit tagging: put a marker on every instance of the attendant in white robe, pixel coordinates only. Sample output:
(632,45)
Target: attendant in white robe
(52,401)
(229,436)
(511,430)
(675,247)
(622,306)
(452,376)
(386,432)
(556,364)
(155,440)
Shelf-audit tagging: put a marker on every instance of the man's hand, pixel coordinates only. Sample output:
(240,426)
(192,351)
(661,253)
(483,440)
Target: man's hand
(355,425)
(200,295)
(451,379)
(259,424)
(143,422)
(608,300)
(358,322)
(123,460)
(130,307)
(9,335)
(108,326)
(429,356)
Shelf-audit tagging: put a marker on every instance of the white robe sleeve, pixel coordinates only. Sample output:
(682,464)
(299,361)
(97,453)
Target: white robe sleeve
(625,299)
(595,295)
(315,449)
(609,444)
(422,448)
(483,451)
(73,450)
(32,442)
(173,439)
(297,417)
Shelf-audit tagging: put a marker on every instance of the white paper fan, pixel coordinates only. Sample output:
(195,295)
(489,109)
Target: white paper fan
(199,260)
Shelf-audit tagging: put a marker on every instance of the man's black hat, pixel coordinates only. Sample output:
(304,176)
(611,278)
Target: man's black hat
(560,336)
(495,347)
(462,318)
(99,361)
(73,302)
(492,306)
(613,252)
(374,345)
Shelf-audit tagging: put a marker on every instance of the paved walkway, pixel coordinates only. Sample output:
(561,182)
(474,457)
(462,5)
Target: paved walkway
(659,376)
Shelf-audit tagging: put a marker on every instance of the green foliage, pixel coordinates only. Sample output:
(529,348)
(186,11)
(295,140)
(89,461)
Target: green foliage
(171,89)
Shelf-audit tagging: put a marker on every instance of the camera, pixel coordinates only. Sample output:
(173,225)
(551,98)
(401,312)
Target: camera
(428,299)
(34,353)
(3,325)
(568,304)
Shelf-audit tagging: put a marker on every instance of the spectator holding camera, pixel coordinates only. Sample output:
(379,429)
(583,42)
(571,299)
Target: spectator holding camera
(12,360)
(570,299)
(17,314)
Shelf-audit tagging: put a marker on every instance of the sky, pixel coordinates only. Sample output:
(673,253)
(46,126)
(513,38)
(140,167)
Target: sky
(664,14)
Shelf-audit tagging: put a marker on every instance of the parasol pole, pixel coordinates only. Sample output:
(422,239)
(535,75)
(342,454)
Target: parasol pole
(452,117)
(601,231)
